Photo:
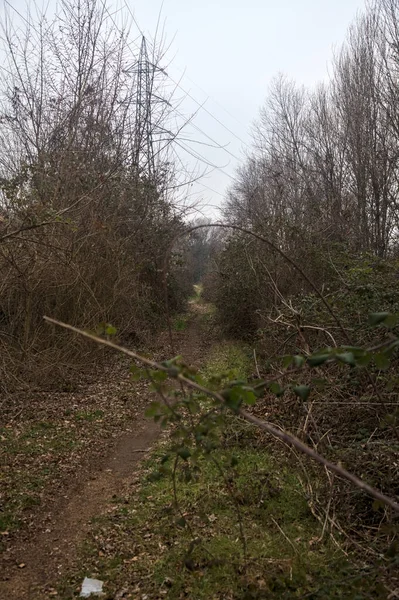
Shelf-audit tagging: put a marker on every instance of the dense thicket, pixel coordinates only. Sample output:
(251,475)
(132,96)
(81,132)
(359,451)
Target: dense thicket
(86,213)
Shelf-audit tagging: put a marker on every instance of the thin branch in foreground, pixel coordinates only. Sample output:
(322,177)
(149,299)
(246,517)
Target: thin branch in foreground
(282,435)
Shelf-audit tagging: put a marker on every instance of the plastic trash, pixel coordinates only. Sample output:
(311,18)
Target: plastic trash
(91,586)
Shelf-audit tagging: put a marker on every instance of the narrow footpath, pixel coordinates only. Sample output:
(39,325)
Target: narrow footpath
(35,564)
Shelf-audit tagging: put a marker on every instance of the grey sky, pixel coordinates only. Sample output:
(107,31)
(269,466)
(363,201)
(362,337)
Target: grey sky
(232,49)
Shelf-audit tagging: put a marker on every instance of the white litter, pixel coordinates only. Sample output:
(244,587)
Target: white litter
(91,586)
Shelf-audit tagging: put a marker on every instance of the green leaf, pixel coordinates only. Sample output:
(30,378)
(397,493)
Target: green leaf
(377,318)
(184,453)
(319,383)
(110,330)
(302,391)
(181,522)
(318,359)
(378,504)
(354,349)
(249,397)
(276,389)
(364,361)
(234,397)
(393,550)
(237,382)
(299,361)
(158,376)
(391,321)
(172,361)
(154,477)
(287,360)
(173,372)
(346,358)
(381,361)
(136,373)
(155,409)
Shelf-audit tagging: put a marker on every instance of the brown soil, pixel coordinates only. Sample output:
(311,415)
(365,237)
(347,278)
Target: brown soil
(39,557)
(40,561)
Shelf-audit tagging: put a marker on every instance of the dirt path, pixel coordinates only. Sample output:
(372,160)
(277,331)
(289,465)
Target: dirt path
(39,562)
(48,555)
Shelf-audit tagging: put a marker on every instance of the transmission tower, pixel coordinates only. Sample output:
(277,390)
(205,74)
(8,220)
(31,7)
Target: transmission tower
(146,99)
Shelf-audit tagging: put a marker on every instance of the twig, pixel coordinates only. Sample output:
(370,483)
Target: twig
(285,536)
(293,441)
(331,480)
(256,365)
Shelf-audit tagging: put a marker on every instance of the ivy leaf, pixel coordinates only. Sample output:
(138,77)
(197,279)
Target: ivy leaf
(302,391)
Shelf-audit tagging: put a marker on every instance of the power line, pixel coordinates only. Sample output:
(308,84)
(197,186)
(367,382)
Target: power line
(192,97)
(210,189)
(220,146)
(207,111)
(210,97)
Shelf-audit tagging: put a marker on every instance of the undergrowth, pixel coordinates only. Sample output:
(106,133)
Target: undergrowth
(157,541)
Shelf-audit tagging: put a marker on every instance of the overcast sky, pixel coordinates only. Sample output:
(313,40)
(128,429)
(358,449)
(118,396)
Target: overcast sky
(230,50)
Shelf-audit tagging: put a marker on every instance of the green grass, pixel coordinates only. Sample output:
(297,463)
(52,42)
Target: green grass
(229,360)
(180,323)
(85,415)
(154,544)
(143,545)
